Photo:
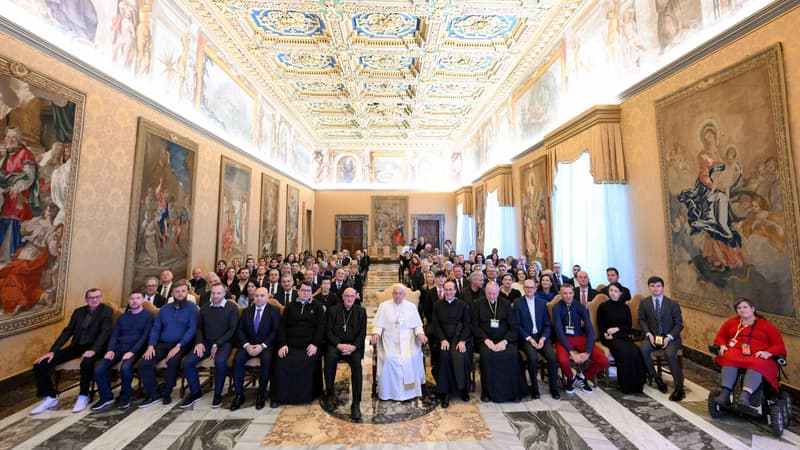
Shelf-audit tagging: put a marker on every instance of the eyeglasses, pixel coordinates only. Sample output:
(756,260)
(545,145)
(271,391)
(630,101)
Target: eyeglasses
(94,297)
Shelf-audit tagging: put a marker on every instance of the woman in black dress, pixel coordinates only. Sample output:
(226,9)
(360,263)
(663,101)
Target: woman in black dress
(614,326)
(506,291)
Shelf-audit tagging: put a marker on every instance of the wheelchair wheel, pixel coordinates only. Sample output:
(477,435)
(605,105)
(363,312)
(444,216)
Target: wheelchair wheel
(778,419)
(714,410)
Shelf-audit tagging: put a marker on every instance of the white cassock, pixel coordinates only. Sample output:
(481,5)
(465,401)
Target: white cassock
(401,372)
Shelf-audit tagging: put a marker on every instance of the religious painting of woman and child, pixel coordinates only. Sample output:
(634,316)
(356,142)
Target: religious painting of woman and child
(159,232)
(728,178)
(41,125)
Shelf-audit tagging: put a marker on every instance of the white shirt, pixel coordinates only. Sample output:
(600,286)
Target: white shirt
(532,308)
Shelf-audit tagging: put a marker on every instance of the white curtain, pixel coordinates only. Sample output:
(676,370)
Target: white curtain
(591,224)
(465,231)
(500,227)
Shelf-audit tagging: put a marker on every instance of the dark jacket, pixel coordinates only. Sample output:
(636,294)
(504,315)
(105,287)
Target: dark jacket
(97,332)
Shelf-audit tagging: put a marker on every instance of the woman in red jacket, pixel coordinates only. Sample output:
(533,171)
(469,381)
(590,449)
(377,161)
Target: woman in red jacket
(747,341)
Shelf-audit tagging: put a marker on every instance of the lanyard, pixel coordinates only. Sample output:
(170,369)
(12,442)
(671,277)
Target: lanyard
(346,319)
(569,315)
(740,327)
(493,310)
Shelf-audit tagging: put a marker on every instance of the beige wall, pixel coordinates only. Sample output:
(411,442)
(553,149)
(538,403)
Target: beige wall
(103,195)
(331,203)
(641,158)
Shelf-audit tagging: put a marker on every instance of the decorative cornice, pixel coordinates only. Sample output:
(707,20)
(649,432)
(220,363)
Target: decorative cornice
(583,121)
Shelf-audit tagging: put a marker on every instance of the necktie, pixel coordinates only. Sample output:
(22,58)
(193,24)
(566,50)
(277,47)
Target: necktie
(164,291)
(583,297)
(459,284)
(658,315)
(257,321)
(288,297)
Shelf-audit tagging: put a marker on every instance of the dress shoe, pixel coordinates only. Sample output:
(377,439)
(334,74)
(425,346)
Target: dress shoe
(260,401)
(274,404)
(446,401)
(47,403)
(555,395)
(678,394)
(535,394)
(724,397)
(465,395)
(661,385)
(329,405)
(237,403)
(355,412)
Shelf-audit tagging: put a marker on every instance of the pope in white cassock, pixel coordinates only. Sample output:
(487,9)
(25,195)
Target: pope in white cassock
(398,333)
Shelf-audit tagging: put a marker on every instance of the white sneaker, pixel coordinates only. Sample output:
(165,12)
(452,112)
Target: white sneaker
(81,403)
(47,403)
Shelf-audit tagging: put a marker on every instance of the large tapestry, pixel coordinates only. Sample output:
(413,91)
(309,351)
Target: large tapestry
(537,240)
(730,191)
(160,227)
(38,171)
(480,212)
(390,220)
(268,243)
(292,219)
(234,209)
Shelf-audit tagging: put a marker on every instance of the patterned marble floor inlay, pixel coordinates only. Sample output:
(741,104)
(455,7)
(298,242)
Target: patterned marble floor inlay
(22,430)
(150,432)
(545,430)
(379,411)
(89,428)
(211,435)
(608,430)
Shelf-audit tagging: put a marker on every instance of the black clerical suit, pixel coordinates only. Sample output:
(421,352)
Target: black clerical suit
(501,378)
(328,300)
(451,322)
(298,377)
(345,327)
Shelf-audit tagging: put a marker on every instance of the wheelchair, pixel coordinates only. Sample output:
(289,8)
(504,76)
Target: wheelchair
(773,405)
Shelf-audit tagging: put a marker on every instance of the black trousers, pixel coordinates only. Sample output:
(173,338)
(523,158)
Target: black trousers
(44,379)
(332,357)
(533,363)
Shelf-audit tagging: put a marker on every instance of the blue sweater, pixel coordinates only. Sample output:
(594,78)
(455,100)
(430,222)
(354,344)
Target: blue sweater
(131,331)
(578,315)
(175,325)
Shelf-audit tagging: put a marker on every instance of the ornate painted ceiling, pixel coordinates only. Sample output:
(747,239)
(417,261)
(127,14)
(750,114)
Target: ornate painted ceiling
(367,73)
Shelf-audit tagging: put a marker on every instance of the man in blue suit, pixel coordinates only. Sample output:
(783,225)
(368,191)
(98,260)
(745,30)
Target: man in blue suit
(534,337)
(258,327)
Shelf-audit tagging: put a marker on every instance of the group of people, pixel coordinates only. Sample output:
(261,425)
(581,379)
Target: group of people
(499,309)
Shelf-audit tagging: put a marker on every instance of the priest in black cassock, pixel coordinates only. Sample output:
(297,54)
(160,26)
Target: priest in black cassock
(347,331)
(298,370)
(450,332)
(494,327)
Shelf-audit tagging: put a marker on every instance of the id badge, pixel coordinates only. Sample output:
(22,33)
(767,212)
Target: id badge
(745,349)
(494,323)
(659,340)
(569,330)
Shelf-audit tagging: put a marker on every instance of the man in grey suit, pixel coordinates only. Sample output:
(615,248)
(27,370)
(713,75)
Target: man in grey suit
(660,320)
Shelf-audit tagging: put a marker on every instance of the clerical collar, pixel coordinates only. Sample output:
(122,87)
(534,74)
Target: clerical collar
(450,300)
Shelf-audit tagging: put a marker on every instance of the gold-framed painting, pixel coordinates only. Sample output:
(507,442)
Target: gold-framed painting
(534,188)
(389,221)
(479,194)
(234,210)
(292,219)
(268,235)
(162,204)
(43,121)
(730,191)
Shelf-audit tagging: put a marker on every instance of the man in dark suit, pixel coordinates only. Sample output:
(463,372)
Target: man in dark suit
(583,288)
(418,280)
(459,279)
(558,276)
(612,275)
(340,283)
(661,321)
(474,290)
(533,320)
(346,332)
(256,332)
(165,288)
(260,276)
(431,297)
(286,293)
(574,280)
(273,284)
(151,294)
(88,331)
(198,282)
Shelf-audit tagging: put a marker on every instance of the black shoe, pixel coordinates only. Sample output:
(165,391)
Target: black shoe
(260,401)
(661,385)
(678,394)
(724,397)
(484,398)
(570,386)
(744,399)
(355,412)
(217,402)
(465,395)
(274,404)
(535,394)
(124,403)
(190,400)
(166,399)
(103,404)
(148,402)
(329,405)
(555,395)
(237,403)
(446,401)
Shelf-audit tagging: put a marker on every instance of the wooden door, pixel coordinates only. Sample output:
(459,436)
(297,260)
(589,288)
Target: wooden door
(352,234)
(429,229)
